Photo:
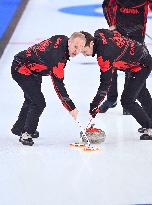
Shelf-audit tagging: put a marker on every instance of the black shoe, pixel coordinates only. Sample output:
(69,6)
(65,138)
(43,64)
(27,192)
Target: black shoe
(125,112)
(106,105)
(19,133)
(141,130)
(26,139)
(147,134)
(35,135)
(145,137)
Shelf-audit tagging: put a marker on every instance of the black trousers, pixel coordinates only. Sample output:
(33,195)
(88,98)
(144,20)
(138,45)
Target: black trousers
(135,89)
(113,91)
(34,102)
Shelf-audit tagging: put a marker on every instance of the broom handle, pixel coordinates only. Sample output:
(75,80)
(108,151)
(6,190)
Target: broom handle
(89,123)
(83,133)
(149,36)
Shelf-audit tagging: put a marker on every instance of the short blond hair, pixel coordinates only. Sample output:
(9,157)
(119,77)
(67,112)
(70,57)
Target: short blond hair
(78,35)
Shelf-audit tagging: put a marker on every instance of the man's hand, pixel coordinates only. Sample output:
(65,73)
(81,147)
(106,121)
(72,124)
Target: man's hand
(93,110)
(74,113)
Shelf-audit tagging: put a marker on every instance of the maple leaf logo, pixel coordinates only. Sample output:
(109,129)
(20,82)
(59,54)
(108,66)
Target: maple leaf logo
(59,70)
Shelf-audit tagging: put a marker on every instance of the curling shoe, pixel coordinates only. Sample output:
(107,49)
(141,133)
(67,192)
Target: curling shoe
(35,135)
(17,132)
(141,130)
(147,134)
(26,139)
(106,105)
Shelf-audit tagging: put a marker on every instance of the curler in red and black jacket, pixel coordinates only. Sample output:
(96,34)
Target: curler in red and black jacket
(129,17)
(115,51)
(47,58)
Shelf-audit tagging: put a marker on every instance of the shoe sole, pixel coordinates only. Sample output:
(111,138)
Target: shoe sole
(145,137)
(24,142)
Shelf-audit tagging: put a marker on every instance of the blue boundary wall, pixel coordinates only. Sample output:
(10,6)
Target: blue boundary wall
(10,13)
(7,11)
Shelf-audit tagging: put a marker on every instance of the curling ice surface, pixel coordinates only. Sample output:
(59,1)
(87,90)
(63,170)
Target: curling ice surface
(50,172)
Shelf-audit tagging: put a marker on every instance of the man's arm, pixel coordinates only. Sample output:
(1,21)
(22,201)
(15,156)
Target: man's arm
(105,83)
(57,79)
(109,10)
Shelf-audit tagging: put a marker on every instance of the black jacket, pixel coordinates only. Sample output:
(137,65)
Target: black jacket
(114,51)
(130,17)
(48,57)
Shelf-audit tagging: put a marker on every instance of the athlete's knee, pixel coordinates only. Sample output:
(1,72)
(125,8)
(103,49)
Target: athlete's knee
(126,102)
(40,106)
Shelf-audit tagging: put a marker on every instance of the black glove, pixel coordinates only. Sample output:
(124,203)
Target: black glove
(93,110)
